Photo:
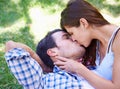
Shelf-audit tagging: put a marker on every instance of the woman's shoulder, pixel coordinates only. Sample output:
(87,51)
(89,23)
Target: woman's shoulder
(116,42)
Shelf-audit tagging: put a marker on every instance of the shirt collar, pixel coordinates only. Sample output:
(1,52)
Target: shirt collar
(57,69)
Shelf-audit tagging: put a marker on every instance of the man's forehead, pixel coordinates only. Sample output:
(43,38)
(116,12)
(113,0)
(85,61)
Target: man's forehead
(59,34)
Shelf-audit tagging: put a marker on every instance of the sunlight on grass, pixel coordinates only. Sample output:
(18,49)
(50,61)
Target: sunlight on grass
(42,23)
(13,28)
(111,19)
(112,2)
(107,15)
(16,26)
(2,47)
(15,1)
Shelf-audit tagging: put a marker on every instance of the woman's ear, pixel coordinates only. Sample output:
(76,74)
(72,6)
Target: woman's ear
(84,23)
(52,52)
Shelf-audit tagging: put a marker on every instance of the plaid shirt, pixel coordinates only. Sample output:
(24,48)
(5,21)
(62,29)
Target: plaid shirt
(30,74)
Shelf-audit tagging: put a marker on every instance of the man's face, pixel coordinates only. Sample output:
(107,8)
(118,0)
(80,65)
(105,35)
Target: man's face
(67,47)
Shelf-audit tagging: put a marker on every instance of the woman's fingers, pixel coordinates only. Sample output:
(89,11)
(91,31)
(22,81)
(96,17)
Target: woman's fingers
(59,63)
(61,58)
(62,67)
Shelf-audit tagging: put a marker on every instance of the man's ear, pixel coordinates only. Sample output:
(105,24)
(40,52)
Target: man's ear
(84,23)
(52,52)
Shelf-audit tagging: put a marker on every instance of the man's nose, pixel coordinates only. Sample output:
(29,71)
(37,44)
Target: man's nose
(72,38)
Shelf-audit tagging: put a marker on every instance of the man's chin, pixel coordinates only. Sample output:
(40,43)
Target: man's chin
(79,60)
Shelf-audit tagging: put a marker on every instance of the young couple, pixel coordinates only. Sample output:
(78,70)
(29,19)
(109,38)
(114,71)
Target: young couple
(87,28)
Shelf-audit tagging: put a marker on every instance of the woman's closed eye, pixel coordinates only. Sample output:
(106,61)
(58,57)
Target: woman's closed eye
(70,34)
(67,36)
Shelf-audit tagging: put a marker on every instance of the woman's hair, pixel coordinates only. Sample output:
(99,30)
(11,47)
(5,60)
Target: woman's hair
(42,47)
(90,54)
(77,9)
(71,15)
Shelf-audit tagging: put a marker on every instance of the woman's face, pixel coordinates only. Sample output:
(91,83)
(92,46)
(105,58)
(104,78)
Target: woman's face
(79,34)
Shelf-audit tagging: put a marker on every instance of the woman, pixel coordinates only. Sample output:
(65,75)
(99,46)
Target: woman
(85,23)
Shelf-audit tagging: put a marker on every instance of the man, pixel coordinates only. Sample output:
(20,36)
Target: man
(30,74)
(58,42)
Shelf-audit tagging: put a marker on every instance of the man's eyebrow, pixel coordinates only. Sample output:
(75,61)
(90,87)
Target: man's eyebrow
(65,34)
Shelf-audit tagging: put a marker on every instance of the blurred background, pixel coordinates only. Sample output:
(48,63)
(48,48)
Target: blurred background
(28,21)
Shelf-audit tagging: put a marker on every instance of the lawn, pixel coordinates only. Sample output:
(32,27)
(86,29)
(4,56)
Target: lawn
(28,21)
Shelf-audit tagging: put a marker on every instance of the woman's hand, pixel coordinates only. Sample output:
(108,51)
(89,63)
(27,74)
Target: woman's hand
(69,65)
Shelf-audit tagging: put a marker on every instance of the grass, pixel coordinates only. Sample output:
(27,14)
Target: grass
(7,80)
(28,21)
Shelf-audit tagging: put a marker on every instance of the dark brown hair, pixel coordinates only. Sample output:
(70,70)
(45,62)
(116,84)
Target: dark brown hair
(90,54)
(44,44)
(77,9)
(71,15)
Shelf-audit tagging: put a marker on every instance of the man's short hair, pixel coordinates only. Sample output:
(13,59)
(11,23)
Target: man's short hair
(46,43)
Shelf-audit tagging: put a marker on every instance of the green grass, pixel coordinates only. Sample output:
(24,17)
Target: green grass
(27,21)
(111,6)
(15,24)
(7,80)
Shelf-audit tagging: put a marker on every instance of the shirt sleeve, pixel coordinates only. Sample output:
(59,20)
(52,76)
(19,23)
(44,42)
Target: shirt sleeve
(26,70)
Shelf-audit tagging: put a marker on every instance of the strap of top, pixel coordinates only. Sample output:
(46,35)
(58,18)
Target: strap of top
(112,39)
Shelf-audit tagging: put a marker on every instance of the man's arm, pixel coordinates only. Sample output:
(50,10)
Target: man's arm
(11,44)
(25,69)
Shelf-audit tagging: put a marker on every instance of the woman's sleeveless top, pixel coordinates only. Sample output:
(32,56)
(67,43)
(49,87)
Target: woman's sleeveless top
(104,69)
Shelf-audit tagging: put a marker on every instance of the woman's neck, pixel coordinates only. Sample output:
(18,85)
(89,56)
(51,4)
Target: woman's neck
(104,34)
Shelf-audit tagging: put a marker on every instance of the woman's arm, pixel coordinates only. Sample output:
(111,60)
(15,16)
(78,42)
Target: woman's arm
(95,80)
(116,65)
(78,68)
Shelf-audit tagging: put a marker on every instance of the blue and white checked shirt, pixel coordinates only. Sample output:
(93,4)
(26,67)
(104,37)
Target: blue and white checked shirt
(30,74)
